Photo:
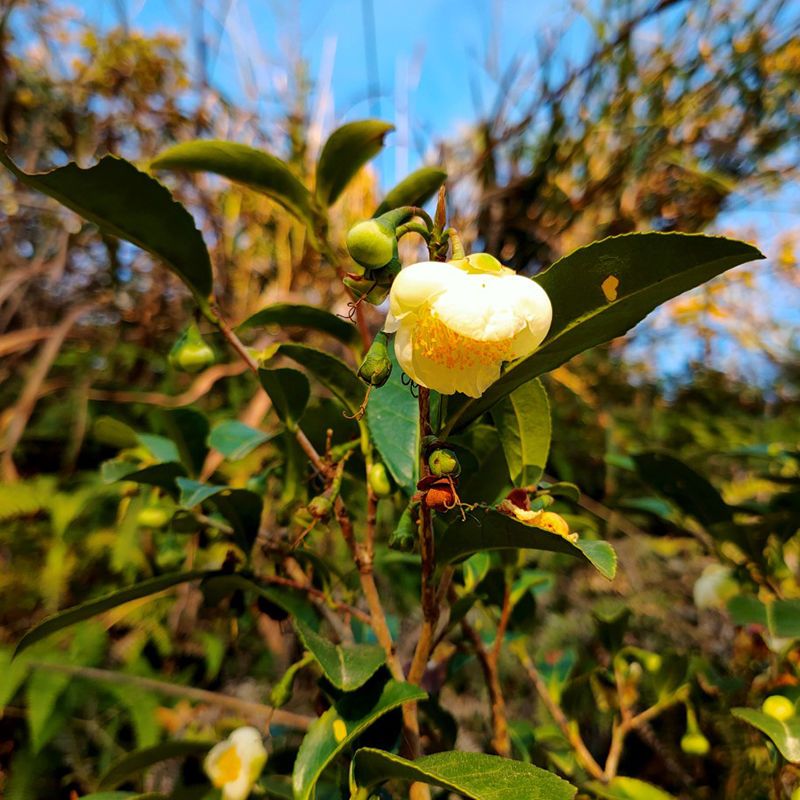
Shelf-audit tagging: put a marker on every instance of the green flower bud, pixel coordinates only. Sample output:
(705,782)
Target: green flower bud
(404,536)
(695,744)
(443,462)
(153,517)
(376,367)
(373,243)
(190,353)
(379,480)
(320,507)
(778,707)
(374,285)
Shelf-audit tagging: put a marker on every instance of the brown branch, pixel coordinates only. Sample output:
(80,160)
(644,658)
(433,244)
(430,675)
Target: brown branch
(245,707)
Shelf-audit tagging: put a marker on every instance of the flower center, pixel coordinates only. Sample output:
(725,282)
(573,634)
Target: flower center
(442,345)
(227,768)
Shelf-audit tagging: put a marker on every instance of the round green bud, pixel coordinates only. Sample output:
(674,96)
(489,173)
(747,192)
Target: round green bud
(443,462)
(191,353)
(695,744)
(372,243)
(778,707)
(376,367)
(652,662)
(153,517)
(320,507)
(379,480)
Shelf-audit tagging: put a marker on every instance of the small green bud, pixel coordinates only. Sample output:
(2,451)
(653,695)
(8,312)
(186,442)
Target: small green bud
(190,353)
(379,480)
(444,462)
(320,507)
(376,367)
(404,536)
(695,744)
(153,517)
(778,707)
(373,286)
(372,243)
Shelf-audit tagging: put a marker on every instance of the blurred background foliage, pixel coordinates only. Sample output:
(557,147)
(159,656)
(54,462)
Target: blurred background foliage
(667,130)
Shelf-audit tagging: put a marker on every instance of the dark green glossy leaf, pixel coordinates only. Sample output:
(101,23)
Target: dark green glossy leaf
(292,601)
(415,190)
(236,440)
(621,788)
(691,492)
(347,150)
(188,428)
(133,206)
(302,316)
(393,421)
(345,667)
(487,529)
(161,448)
(289,391)
(340,725)
(784,735)
(241,163)
(474,775)
(134,763)
(91,608)
(330,371)
(783,618)
(650,268)
(161,475)
(523,423)
(114,432)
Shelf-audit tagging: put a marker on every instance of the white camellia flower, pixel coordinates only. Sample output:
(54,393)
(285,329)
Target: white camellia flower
(457,322)
(235,764)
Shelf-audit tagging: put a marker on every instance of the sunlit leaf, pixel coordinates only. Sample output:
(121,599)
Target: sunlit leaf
(414,190)
(784,734)
(622,788)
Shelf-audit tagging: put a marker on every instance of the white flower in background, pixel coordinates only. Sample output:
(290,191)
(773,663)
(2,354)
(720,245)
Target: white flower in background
(457,322)
(235,764)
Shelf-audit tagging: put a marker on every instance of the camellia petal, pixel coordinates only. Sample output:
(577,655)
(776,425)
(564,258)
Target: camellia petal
(235,764)
(458,322)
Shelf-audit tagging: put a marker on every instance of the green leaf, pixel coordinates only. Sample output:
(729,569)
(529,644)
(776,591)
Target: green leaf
(124,796)
(42,692)
(133,206)
(475,775)
(91,608)
(347,150)
(691,492)
(784,735)
(330,371)
(340,725)
(292,601)
(236,440)
(523,422)
(241,507)
(492,530)
(345,667)
(114,432)
(134,763)
(650,267)
(289,391)
(393,421)
(297,315)
(621,788)
(161,448)
(161,475)
(414,190)
(783,618)
(243,164)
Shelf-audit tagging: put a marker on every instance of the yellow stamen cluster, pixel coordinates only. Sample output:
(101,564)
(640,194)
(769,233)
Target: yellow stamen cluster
(442,345)
(228,768)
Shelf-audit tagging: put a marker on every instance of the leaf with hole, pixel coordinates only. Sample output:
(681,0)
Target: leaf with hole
(650,268)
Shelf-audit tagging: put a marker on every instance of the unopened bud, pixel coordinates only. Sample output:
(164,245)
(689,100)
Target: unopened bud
(373,243)
(404,536)
(778,707)
(379,480)
(695,744)
(443,462)
(190,352)
(376,367)
(320,508)
(153,517)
